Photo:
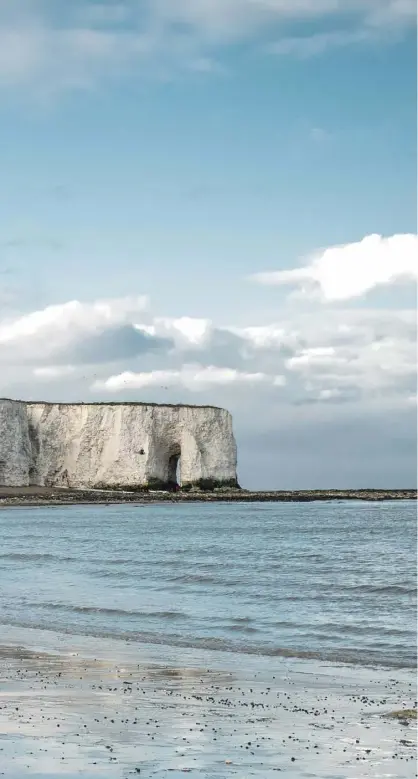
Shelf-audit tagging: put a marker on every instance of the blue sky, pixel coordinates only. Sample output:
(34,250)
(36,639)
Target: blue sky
(180,149)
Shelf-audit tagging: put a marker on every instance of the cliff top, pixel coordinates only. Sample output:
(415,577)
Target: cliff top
(110,403)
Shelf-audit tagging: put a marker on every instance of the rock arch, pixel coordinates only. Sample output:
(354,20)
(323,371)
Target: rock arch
(32,476)
(174,465)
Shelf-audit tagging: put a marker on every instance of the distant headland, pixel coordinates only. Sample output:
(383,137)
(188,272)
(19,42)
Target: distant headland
(130,446)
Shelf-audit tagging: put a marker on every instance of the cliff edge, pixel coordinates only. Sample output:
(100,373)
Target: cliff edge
(115,445)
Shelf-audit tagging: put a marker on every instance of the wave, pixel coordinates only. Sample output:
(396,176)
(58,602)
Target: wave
(104,574)
(201,578)
(349,656)
(381,589)
(204,578)
(108,612)
(36,557)
(328,594)
(237,628)
(327,629)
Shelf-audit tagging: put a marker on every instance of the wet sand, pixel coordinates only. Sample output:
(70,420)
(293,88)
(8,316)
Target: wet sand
(114,713)
(55,496)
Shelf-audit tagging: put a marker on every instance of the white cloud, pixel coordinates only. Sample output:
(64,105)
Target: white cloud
(277,338)
(57,325)
(191,377)
(279,381)
(352,270)
(265,336)
(306,46)
(221,20)
(317,356)
(376,365)
(128,380)
(190,331)
(90,44)
(329,394)
(392,12)
(35,53)
(326,355)
(216,19)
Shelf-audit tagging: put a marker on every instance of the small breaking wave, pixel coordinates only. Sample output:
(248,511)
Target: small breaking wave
(381,589)
(350,656)
(42,557)
(108,612)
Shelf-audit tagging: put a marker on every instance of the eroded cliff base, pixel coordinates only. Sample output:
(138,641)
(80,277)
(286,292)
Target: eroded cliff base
(159,485)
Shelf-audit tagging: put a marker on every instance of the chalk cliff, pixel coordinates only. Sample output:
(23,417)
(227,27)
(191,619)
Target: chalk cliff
(124,445)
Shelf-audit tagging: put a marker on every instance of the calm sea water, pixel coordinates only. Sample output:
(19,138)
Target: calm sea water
(335,581)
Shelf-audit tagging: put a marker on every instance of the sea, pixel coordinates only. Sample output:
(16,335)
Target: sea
(333,581)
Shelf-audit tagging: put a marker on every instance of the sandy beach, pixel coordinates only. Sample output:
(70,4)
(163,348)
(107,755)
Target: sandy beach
(109,710)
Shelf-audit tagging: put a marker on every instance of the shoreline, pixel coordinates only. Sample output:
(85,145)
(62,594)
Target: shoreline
(114,712)
(56,496)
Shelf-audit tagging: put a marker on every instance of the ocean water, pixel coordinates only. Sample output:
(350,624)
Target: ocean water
(333,581)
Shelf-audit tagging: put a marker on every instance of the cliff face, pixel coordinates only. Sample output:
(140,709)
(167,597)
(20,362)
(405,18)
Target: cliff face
(114,445)
(15,448)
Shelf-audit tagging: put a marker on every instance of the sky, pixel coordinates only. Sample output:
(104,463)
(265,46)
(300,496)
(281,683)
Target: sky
(214,202)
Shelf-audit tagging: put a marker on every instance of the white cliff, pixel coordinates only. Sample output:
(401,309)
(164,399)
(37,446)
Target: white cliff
(122,445)
(15,446)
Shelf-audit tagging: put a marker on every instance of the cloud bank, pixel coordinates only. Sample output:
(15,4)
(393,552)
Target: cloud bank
(315,368)
(311,355)
(63,45)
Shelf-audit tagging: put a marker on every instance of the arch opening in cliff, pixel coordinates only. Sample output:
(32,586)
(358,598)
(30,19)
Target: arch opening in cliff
(33,476)
(174,467)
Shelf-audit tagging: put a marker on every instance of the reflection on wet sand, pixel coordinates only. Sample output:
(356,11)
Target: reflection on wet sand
(65,714)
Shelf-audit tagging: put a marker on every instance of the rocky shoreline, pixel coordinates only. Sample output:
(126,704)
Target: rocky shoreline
(43,496)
